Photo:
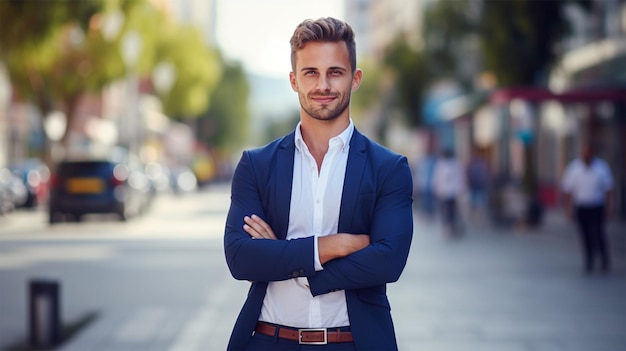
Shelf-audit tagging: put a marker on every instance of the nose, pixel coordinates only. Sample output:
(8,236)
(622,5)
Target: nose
(323,83)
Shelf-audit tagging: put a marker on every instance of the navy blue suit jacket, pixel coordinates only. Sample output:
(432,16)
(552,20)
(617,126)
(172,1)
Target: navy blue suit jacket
(376,200)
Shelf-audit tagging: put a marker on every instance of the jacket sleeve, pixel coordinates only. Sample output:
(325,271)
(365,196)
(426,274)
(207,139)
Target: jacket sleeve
(389,219)
(260,259)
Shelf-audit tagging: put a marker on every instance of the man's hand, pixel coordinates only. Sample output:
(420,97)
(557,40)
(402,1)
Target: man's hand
(257,228)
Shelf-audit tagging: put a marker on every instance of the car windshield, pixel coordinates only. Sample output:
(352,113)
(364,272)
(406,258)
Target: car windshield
(85,168)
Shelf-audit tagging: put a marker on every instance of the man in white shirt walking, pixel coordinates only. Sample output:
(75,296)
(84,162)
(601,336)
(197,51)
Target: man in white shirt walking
(449,185)
(587,184)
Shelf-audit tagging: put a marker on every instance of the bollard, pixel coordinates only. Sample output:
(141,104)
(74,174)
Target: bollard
(45,313)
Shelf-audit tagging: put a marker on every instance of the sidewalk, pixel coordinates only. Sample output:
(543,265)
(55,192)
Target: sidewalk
(490,290)
(555,223)
(516,290)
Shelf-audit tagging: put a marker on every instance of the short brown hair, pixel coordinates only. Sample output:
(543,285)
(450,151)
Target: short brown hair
(323,30)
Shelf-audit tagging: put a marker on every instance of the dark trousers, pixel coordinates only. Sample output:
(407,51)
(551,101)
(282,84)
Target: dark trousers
(450,216)
(592,237)
(260,342)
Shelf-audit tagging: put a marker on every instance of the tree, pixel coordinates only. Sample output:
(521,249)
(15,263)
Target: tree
(198,71)
(519,37)
(57,51)
(224,123)
(368,93)
(32,37)
(411,75)
(450,34)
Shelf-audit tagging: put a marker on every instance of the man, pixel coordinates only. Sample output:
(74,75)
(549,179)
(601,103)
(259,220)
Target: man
(588,184)
(449,185)
(320,220)
(478,181)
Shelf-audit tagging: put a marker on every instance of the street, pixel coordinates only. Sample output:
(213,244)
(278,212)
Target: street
(160,282)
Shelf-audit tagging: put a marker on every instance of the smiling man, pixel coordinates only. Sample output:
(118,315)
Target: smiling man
(320,219)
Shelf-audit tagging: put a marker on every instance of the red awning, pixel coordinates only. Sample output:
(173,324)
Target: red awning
(502,96)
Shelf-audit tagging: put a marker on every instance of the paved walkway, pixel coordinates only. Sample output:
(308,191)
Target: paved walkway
(509,291)
(490,290)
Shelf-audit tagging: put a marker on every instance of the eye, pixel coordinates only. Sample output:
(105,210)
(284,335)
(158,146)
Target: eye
(336,72)
(310,73)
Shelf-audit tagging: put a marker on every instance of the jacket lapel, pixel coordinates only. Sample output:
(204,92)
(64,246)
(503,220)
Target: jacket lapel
(284,178)
(354,174)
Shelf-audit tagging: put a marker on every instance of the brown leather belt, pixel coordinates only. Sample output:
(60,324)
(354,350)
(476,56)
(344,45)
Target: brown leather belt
(317,336)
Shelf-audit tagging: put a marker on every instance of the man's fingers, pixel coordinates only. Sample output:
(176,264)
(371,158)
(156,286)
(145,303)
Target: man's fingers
(265,228)
(257,228)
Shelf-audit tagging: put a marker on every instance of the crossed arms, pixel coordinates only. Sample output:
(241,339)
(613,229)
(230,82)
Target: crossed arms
(329,247)
(375,256)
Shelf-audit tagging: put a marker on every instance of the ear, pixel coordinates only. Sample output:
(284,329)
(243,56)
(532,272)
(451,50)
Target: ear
(293,82)
(356,79)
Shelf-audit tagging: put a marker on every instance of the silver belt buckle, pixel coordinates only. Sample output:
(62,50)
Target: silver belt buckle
(324,342)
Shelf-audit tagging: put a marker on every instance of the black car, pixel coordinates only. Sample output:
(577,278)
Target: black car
(97,186)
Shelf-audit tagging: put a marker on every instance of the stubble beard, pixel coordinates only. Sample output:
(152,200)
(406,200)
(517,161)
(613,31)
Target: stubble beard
(324,112)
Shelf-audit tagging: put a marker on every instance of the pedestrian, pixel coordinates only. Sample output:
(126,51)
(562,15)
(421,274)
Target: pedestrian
(321,219)
(478,182)
(449,179)
(587,185)
(424,192)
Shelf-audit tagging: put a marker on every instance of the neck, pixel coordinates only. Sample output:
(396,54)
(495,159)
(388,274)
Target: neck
(316,133)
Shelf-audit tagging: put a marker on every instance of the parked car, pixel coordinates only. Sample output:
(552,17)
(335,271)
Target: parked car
(14,192)
(34,174)
(7,200)
(80,187)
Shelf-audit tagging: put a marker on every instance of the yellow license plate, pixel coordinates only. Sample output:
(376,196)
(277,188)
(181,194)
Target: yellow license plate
(85,185)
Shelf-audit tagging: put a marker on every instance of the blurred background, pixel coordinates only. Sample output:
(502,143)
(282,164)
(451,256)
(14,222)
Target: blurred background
(111,106)
(187,84)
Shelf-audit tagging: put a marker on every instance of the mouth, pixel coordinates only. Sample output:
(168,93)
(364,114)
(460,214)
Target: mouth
(326,99)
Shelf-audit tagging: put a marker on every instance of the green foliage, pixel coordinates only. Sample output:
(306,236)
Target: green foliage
(225,122)
(369,91)
(56,51)
(411,76)
(39,40)
(25,24)
(447,29)
(518,38)
(198,71)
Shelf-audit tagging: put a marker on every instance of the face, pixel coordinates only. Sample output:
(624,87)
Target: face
(323,79)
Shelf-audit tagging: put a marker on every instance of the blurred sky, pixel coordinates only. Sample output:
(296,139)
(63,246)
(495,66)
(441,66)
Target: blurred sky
(257,32)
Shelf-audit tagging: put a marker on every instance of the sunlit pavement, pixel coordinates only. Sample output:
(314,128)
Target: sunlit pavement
(486,291)
(501,291)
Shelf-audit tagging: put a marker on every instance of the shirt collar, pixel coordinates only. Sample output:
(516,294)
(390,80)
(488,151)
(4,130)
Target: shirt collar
(343,138)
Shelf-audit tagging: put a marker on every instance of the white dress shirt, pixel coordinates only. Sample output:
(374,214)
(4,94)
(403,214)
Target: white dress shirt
(587,185)
(315,204)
